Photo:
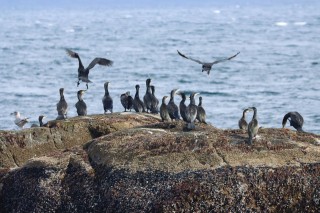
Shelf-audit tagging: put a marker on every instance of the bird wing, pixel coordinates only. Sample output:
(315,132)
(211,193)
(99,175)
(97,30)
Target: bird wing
(224,59)
(195,60)
(71,53)
(100,61)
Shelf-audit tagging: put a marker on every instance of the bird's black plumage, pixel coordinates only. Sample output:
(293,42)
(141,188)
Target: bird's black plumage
(182,106)
(107,99)
(191,111)
(295,119)
(126,101)
(62,106)
(253,126)
(154,101)
(172,107)
(164,114)
(201,113)
(242,122)
(138,105)
(147,98)
(81,105)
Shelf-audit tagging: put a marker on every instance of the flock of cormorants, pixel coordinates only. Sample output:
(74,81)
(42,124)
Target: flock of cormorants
(170,111)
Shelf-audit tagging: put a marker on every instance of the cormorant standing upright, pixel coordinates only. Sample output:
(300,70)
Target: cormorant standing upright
(172,107)
(295,119)
(164,114)
(138,105)
(154,102)
(126,101)
(62,106)
(191,111)
(41,117)
(81,105)
(182,106)
(83,73)
(242,122)
(147,98)
(206,66)
(253,126)
(107,100)
(201,113)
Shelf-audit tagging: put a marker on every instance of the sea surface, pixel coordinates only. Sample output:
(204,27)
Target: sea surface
(277,70)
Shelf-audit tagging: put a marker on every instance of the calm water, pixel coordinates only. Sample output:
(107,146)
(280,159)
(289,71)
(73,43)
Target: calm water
(277,70)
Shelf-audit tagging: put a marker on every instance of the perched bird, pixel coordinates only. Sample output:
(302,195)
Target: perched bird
(164,114)
(62,106)
(41,117)
(191,111)
(295,119)
(154,102)
(253,126)
(201,113)
(107,100)
(19,121)
(182,106)
(126,101)
(242,122)
(138,105)
(172,107)
(147,98)
(83,73)
(206,66)
(81,105)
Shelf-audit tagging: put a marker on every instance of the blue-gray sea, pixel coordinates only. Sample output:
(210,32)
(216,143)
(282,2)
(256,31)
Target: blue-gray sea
(277,71)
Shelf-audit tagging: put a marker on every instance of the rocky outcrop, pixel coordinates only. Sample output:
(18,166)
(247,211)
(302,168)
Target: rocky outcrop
(135,163)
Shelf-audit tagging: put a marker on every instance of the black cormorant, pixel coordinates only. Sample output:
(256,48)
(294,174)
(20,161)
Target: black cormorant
(41,117)
(138,105)
(154,102)
(83,73)
(172,107)
(164,114)
(206,66)
(62,106)
(201,113)
(126,101)
(295,119)
(107,100)
(147,98)
(19,121)
(81,105)
(182,106)
(191,111)
(253,126)
(242,122)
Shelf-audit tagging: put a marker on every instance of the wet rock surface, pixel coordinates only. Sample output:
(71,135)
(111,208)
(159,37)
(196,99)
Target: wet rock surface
(135,163)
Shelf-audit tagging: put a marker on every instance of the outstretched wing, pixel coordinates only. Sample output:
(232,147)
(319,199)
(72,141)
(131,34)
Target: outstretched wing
(71,53)
(225,59)
(100,61)
(189,58)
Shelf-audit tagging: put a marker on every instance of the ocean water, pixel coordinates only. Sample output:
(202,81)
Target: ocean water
(277,71)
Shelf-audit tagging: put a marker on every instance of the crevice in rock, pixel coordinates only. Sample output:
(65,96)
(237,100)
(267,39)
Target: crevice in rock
(222,157)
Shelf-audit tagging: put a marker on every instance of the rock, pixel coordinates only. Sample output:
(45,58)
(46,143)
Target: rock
(135,163)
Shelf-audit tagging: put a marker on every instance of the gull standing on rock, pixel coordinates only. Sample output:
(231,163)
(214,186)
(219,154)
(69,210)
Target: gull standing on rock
(295,119)
(172,107)
(19,121)
(81,105)
(206,66)
(107,100)
(83,73)
(62,106)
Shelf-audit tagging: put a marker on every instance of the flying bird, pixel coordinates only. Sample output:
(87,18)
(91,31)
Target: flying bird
(83,73)
(206,66)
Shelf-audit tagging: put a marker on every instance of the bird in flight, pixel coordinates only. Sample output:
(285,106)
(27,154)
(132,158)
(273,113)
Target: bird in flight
(83,73)
(206,66)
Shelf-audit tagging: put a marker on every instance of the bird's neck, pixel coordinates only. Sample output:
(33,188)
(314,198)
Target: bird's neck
(80,98)
(254,115)
(40,122)
(137,93)
(200,103)
(62,97)
(192,101)
(80,62)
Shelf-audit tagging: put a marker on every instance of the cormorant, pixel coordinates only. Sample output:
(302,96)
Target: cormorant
(83,73)
(138,105)
(253,126)
(242,122)
(182,106)
(154,102)
(41,117)
(147,98)
(20,122)
(191,111)
(172,107)
(81,105)
(201,113)
(206,66)
(62,106)
(164,114)
(295,119)
(107,100)
(126,101)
